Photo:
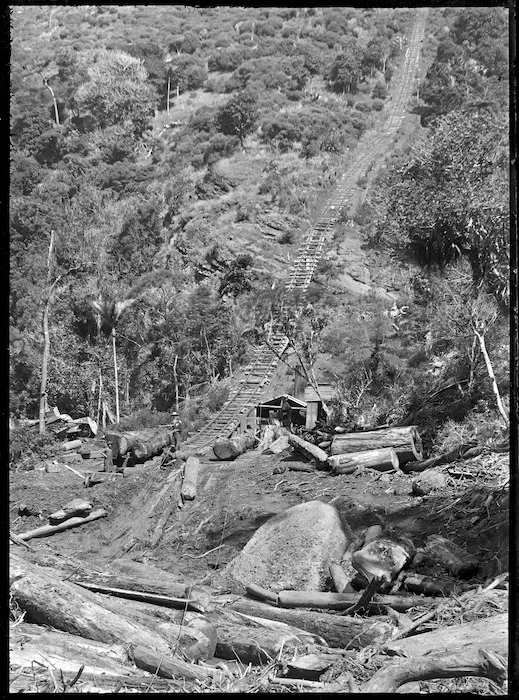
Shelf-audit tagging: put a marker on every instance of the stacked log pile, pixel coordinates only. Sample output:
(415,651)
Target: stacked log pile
(90,632)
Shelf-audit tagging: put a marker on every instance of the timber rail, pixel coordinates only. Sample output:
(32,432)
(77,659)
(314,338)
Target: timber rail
(253,381)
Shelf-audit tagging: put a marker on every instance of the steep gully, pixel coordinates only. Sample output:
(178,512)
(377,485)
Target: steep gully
(130,526)
(253,381)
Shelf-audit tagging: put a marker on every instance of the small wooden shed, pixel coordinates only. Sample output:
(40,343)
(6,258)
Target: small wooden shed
(314,403)
(264,409)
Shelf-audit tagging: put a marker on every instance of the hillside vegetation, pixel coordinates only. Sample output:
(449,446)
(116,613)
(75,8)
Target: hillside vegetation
(166,163)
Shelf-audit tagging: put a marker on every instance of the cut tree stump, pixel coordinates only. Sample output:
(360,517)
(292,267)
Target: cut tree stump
(189,482)
(405,441)
(309,450)
(383,459)
(46,530)
(448,555)
(337,630)
(230,448)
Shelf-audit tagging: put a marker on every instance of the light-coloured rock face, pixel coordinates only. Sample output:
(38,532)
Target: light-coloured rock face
(292,550)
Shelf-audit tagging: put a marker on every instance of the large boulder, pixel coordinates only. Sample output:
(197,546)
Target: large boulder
(292,550)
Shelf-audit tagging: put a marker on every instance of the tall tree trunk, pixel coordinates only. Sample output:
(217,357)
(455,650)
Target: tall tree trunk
(46,339)
(56,112)
(116,379)
(175,378)
(169,95)
(44,365)
(490,370)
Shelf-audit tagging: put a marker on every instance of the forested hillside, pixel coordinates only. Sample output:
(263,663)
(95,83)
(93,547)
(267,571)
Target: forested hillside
(166,161)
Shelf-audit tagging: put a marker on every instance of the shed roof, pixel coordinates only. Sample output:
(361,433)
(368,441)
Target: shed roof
(327,392)
(278,400)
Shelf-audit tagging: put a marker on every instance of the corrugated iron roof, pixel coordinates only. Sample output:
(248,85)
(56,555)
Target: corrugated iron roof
(278,400)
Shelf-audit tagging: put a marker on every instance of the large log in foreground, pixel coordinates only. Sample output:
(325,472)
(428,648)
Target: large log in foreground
(383,459)
(309,450)
(230,448)
(146,448)
(405,441)
(337,630)
(67,607)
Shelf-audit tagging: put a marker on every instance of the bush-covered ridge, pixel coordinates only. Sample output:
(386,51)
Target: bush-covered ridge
(166,160)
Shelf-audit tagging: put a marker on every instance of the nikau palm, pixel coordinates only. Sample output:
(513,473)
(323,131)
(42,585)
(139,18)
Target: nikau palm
(109,312)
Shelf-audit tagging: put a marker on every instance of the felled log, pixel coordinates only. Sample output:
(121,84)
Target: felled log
(429,585)
(71,445)
(342,601)
(94,478)
(189,482)
(337,630)
(68,607)
(66,653)
(382,460)
(405,441)
(486,633)
(460,453)
(309,450)
(46,530)
(252,642)
(156,599)
(146,448)
(165,586)
(230,448)
(166,666)
(451,557)
(121,443)
(76,508)
(448,665)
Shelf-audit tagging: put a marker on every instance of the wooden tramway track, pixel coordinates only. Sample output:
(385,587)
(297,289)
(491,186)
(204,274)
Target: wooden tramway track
(253,381)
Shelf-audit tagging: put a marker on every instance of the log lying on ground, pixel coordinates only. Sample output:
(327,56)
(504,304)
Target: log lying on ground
(146,448)
(164,600)
(67,607)
(254,643)
(189,482)
(46,530)
(383,459)
(487,633)
(169,667)
(59,651)
(308,450)
(405,441)
(338,631)
(76,508)
(448,665)
(121,443)
(230,448)
(342,601)
(454,559)
(464,452)
(167,587)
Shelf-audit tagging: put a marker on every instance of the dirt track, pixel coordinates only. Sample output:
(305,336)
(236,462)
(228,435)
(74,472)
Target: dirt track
(235,498)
